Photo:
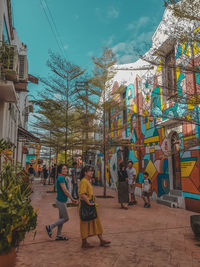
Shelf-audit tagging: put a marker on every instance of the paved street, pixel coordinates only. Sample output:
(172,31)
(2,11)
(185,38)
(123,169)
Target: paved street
(155,237)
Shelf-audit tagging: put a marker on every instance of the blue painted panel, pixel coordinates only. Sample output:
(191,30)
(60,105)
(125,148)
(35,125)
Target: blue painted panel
(190,195)
(163,184)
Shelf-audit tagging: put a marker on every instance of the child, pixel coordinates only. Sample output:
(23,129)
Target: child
(146,190)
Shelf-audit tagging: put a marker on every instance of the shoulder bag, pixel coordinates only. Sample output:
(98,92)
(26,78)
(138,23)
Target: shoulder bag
(87,212)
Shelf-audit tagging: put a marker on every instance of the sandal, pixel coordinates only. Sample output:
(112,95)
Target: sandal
(87,245)
(61,238)
(104,243)
(48,229)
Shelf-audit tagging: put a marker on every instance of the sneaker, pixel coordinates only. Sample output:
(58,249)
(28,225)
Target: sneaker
(134,202)
(61,238)
(145,205)
(148,205)
(130,203)
(48,229)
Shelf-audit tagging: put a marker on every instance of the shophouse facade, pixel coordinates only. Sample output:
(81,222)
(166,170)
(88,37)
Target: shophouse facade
(160,123)
(14,103)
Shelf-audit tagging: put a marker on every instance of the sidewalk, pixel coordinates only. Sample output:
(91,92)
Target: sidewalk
(155,237)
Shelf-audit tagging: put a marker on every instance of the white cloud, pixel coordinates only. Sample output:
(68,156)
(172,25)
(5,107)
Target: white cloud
(90,54)
(109,41)
(136,25)
(107,13)
(130,51)
(113,12)
(76,17)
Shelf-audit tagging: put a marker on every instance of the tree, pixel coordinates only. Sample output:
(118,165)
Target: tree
(100,82)
(61,91)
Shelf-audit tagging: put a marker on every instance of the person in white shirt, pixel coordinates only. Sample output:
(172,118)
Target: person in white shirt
(146,190)
(131,182)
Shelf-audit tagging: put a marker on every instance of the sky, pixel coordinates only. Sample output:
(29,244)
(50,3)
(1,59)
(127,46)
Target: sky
(83,27)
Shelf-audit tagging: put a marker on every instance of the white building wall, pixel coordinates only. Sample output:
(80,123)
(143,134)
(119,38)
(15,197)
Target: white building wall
(12,115)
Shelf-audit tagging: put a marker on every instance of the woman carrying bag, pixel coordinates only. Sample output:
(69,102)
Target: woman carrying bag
(92,225)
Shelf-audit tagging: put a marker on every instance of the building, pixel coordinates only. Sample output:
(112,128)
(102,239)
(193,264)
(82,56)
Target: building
(14,77)
(161,121)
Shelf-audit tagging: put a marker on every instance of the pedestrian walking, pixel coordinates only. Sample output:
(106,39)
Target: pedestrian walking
(39,170)
(53,173)
(90,227)
(123,195)
(146,190)
(61,199)
(75,181)
(45,174)
(131,182)
(31,172)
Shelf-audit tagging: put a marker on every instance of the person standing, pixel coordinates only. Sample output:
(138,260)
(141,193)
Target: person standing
(61,199)
(123,196)
(131,182)
(39,170)
(146,190)
(45,174)
(74,181)
(53,173)
(92,227)
(31,172)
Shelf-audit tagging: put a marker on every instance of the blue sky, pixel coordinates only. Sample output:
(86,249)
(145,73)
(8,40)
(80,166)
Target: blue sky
(84,27)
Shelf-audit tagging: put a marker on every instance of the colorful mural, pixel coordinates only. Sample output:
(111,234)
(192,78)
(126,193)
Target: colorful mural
(162,133)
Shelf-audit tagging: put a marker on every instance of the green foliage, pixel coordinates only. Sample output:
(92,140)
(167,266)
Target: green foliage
(17,216)
(4,145)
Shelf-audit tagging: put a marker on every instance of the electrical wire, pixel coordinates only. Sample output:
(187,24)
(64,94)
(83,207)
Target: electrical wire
(52,25)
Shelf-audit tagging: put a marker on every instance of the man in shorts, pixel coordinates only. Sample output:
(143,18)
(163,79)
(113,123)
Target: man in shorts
(131,182)
(146,190)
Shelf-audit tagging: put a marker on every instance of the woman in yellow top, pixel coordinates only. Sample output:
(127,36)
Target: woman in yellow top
(92,227)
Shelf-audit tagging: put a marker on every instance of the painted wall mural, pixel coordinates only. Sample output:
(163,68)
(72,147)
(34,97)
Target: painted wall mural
(154,138)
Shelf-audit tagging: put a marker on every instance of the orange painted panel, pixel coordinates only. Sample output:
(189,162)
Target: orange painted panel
(195,176)
(188,186)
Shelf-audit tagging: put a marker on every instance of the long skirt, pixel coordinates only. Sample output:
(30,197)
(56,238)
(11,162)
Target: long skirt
(91,228)
(123,196)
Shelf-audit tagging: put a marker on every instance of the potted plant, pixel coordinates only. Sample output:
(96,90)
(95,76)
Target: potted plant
(17,216)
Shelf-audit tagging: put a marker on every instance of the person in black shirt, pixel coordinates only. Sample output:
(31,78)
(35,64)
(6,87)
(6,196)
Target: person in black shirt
(123,196)
(45,174)
(31,173)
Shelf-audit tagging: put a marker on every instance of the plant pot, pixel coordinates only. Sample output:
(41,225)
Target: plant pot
(8,259)
(195,225)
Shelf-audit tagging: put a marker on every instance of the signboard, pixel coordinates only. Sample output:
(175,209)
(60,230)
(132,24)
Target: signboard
(30,159)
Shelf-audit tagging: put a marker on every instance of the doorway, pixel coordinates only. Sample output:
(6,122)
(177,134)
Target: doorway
(176,166)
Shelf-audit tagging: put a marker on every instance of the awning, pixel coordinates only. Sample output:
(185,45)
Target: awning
(32,79)
(24,135)
(7,91)
(21,87)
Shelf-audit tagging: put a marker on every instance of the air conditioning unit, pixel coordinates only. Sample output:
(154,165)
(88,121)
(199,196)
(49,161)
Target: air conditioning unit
(9,59)
(23,68)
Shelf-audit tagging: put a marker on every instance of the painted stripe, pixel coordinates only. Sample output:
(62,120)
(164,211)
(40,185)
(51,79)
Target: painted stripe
(188,159)
(190,137)
(190,195)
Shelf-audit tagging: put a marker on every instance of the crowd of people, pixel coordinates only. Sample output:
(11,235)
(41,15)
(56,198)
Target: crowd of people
(127,184)
(78,189)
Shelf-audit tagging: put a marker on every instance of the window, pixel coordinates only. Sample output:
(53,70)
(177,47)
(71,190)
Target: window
(6,38)
(170,74)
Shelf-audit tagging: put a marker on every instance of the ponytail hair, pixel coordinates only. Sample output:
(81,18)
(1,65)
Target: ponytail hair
(84,170)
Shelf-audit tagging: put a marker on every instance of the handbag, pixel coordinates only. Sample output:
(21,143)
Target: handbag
(87,212)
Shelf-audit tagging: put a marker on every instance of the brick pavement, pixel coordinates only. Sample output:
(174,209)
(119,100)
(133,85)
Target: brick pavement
(155,237)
